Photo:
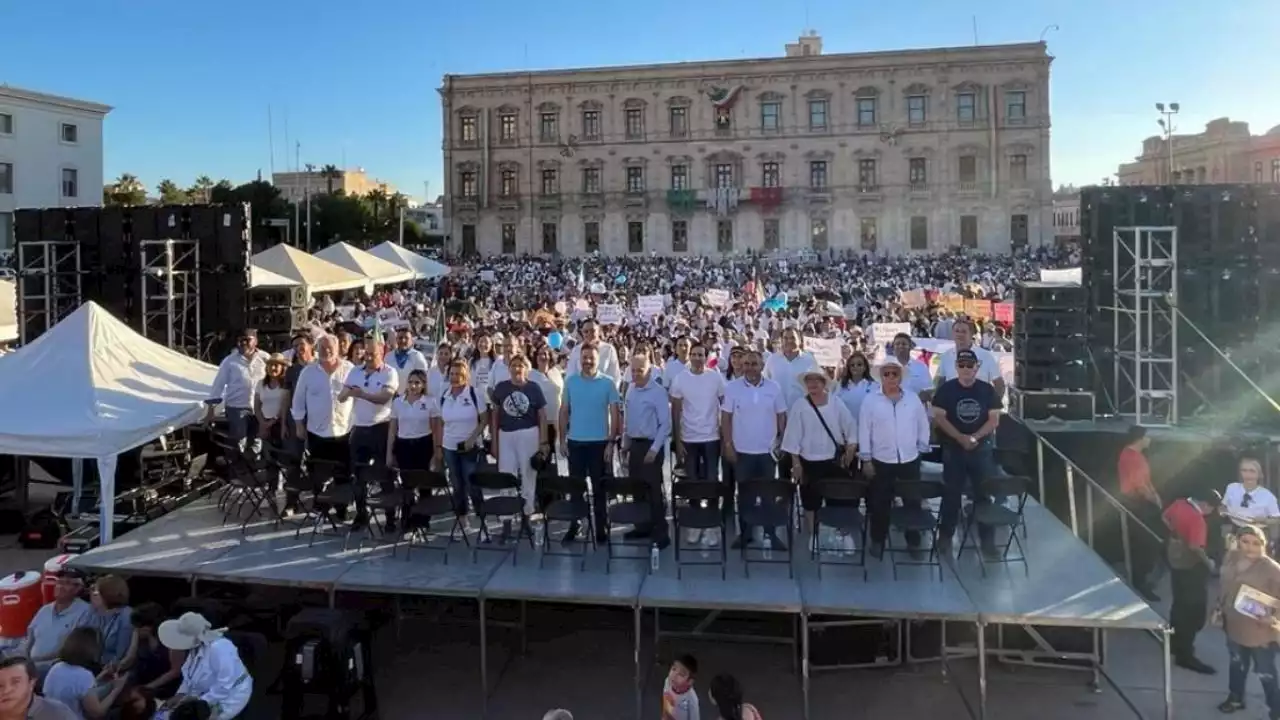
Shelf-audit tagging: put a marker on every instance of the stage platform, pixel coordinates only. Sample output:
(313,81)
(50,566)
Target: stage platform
(1066,585)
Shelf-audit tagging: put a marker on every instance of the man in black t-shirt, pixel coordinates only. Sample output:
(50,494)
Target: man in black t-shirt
(967,412)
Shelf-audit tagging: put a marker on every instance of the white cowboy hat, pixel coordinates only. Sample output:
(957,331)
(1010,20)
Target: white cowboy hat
(186,632)
(815,373)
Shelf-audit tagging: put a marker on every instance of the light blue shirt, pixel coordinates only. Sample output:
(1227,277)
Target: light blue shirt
(589,400)
(648,415)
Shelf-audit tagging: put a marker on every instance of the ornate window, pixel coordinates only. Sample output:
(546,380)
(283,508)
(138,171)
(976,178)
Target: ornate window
(770,175)
(967,110)
(508,124)
(771,112)
(868,232)
(508,239)
(633,116)
(635,179)
(919,232)
(818,234)
(468,126)
(917,110)
(918,173)
(818,174)
(635,236)
(724,236)
(866,104)
(680,236)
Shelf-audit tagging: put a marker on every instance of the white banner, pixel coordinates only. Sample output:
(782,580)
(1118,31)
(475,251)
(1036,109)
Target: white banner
(881,333)
(487,276)
(609,314)
(388,316)
(717,298)
(650,305)
(1072,276)
(825,350)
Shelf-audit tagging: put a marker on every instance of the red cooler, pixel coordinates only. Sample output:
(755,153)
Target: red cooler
(20,599)
(50,578)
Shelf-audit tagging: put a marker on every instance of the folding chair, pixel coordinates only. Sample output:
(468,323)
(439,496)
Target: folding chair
(699,505)
(377,498)
(326,497)
(915,515)
(567,499)
(627,504)
(767,504)
(435,500)
(506,505)
(998,515)
(247,487)
(844,515)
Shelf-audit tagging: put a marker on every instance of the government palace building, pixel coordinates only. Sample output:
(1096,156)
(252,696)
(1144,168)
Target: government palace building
(884,152)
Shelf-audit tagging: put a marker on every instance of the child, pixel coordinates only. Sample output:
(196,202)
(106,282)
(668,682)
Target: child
(679,701)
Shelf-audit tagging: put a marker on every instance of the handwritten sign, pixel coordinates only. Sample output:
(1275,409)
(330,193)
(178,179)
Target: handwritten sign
(487,276)
(650,305)
(881,333)
(953,302)
(825,350)
(977,309)
(717,298)
(609,314)
(914,298)
(582,304)
(1004,313)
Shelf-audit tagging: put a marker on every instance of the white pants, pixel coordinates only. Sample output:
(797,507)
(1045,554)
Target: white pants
(515,455)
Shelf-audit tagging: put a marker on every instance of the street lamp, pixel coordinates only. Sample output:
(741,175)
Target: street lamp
(1166,124)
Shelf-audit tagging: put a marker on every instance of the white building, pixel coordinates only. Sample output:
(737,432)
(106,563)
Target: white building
(50,153)
(1066,215)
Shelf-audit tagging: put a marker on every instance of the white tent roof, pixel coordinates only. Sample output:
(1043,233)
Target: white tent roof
(422,267)
(380,271)
(262,277)
(316,274)
(91,387)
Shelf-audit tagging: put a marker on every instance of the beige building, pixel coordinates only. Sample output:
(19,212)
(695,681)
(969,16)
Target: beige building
(294,186)
(1225,152)
(1066,214)
(916,150)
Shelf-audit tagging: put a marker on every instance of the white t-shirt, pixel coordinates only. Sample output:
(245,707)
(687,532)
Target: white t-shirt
(700,395)
(413,419)
(271,398)
(460,415)
(988,366)
(1262,502)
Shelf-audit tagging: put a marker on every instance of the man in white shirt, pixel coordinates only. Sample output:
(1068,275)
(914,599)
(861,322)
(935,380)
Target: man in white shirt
(695,416)
(962,333)
(785,368)
(916,378)
(753,417)
(372,386)
(235,386)
(321,406)
(406,358)
(893,432)
(607,363)
(677,363)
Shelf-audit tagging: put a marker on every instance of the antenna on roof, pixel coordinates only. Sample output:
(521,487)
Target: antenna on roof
(975,29)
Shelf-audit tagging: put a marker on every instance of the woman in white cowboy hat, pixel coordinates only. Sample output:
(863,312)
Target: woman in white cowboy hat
(213,671)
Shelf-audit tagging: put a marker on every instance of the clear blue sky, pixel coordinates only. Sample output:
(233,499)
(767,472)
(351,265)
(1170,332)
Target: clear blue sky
(191,81)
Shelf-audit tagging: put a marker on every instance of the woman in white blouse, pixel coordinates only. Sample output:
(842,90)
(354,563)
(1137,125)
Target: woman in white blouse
(463,418)
(1246,501)
(269,400)
(855,383)
(483,358)
(212,672)
(409,444)
(821,437)
(551,380)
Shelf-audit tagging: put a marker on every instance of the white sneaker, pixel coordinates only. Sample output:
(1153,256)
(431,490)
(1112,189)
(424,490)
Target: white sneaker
(711,538)
(692,536)
(850,545)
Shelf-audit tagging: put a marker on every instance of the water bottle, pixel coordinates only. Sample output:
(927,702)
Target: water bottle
(768,546)
(537,533)
(653,558)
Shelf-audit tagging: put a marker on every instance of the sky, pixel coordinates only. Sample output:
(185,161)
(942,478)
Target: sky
(211,88)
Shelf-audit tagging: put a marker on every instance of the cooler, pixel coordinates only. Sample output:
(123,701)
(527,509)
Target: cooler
(52,567)
(20,599)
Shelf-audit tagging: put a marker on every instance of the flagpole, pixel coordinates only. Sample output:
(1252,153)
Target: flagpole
(400,241)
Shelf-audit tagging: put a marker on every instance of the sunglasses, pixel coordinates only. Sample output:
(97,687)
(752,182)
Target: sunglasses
(889,373)
(966,365)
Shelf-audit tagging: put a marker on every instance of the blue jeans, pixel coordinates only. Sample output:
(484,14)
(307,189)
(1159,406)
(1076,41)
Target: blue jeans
(586,460)
(748,468)
(702,460)
(964,469)
(461,468)
(242,428)
(1261,660)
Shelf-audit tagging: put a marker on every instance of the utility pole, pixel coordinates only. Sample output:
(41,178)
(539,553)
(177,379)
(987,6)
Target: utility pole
(1166,124)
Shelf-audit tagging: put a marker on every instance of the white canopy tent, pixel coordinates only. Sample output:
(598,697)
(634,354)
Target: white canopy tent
(422,267)
(316,274)
(92,388)
(381,272)
(262,277)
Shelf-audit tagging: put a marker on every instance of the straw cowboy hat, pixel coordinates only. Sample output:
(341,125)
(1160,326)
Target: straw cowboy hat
(187,632)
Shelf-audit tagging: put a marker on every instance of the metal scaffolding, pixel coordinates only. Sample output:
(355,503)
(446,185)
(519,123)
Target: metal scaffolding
(48,285)
(1145,324)
(171,293)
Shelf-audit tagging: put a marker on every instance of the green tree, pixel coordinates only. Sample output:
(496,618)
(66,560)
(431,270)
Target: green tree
(330,173)
(222,192)
(201,191)
(171,194)
(127,190)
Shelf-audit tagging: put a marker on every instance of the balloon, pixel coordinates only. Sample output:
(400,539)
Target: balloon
(555,340)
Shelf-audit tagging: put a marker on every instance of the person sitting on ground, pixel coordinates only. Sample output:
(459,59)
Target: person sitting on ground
(726,695)
(679,699)
(71,680)
(110,616)
(53,622)
(212,672)
(149,663)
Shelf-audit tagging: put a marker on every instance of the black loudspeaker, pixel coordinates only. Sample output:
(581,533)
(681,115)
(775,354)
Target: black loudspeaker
(276,321)
(53,224)
(27,226)
(1063,405)
(223,305)
(1050,348)
(329,665)
(231,236)
(1050,296)
(1050,323)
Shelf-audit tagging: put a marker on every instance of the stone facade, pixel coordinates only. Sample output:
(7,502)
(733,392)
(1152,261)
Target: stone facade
(889,152)
(1225,152)
(1066,215)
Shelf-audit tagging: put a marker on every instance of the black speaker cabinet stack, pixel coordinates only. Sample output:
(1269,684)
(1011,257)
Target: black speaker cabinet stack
(1227,285)
(1050,350)
(276,313)
(126,259)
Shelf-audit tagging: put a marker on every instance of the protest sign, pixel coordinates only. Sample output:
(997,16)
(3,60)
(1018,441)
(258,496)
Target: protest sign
(487,276)
(1072,276)
(609,314)
(1003,313)
(717,298)
(884,332)
(953,302)
(825,350)
(977,309)
(650,305)
(914,298)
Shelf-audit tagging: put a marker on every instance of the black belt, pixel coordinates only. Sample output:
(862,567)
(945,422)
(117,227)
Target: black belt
(637,439)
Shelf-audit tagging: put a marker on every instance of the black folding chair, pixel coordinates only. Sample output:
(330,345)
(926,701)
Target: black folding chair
(767,504)
(434,500)
(566,499)
(699,505)
(507,505)
(379,497)
(915,515)
(628,505)
(998,515)
(326,497)
(840,499)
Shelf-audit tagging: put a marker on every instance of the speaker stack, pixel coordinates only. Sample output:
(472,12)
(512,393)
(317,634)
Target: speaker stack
(1050,350)
(276,313)
(1228,282)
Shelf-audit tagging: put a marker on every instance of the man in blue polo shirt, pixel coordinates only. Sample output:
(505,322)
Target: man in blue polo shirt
(589,425)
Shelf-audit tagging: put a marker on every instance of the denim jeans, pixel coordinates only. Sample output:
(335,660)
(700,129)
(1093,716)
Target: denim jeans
(586,460)
(242,428)
(461,467)
(750,467)
(964,469)
(702,460)
(1261,660)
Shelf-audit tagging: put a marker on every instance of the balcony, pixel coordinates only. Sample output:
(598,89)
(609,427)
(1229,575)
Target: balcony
(969,188)
(549,201)
(509,201)
(591,199)
(870,192)
(636,198)
(820,195)
(919,191)
(682,201)
(466,202)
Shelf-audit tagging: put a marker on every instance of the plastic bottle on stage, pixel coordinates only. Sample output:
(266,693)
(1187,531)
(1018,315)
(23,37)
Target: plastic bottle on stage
(768,546)
(653,557)
(537,533)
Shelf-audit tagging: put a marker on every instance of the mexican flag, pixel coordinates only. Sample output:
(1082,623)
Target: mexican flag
(724,98)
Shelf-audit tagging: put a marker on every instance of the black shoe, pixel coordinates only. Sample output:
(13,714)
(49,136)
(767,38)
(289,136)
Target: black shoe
(944,548)
(740,542)
(775,542)
(602,538)
(360,522)
(637,534)
(1230,706)
(1195,665)
(506,531)
(390,528)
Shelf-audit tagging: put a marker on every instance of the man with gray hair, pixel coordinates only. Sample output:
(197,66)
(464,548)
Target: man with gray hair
(321,406)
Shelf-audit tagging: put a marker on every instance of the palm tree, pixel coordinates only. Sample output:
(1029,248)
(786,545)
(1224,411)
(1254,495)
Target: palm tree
(128,190)
(200,191)
(330,173)
(171,194)
(377,198)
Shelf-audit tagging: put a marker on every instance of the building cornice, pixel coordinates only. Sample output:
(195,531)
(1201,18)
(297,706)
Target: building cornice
(8,92)
(729,69)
